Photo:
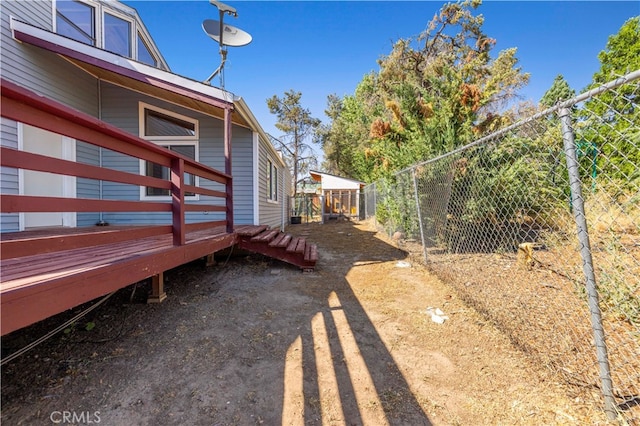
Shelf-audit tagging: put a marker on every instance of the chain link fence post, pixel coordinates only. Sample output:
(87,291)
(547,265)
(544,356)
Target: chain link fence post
(577,203)
(419,213)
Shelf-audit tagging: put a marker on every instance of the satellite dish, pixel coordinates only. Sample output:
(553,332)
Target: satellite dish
(225,35)
(231,36)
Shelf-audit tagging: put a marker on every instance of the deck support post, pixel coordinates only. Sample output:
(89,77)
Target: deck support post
(177,201)
(157,289)
(210,261)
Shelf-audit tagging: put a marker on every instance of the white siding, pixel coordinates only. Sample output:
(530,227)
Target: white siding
(334,182)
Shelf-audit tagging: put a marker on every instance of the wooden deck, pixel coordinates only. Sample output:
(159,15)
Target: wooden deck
(47,271)
(36,286)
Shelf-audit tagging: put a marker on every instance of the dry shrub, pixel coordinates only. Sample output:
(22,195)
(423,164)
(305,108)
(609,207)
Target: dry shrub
(379,129)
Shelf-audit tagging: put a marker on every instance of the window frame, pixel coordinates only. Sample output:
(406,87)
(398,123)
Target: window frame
(137,30)
(96,9)
(272,182)
(132,32)
(140,38)
(166,141)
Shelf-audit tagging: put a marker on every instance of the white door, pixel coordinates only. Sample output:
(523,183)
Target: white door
(47,184)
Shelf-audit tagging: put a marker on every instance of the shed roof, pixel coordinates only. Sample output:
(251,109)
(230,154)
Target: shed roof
(330,181)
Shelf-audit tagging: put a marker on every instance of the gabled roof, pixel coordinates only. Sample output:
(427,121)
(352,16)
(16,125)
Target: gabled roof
(132,74)
(143,78)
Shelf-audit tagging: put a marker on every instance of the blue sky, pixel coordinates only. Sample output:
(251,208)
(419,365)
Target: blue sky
(324,47)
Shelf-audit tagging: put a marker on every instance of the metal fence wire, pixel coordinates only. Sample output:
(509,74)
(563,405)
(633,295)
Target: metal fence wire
(537,226)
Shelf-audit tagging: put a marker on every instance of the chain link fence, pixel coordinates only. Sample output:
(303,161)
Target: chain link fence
(306,208)
(537,226)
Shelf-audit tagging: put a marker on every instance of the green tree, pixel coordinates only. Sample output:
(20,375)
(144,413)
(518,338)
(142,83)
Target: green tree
(559,91)
(433,92)
(298,126)
(612,118)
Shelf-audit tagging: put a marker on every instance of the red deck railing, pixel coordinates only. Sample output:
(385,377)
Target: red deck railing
(46,271)
(24,106)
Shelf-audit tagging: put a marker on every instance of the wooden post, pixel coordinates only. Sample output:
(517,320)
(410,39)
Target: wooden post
(157,289)
(227,168)
(177,201)
(210,260)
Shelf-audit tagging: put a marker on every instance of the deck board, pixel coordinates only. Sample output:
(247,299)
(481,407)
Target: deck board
(36,286)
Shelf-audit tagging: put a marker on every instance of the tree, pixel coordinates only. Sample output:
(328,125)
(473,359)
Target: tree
(433,92)
(612,118)
(559,91)
(298,126)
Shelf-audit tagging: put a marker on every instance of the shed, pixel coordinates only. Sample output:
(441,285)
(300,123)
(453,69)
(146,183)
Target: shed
(342,196)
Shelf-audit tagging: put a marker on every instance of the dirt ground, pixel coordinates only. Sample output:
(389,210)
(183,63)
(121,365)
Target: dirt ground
(255,341)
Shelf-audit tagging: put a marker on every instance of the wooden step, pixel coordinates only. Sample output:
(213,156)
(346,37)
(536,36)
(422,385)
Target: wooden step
(297,245)
(301,245)
(250,230)
(284,242)
(266,236)
(293,244)
(311,253)
(278,245)
(277,240)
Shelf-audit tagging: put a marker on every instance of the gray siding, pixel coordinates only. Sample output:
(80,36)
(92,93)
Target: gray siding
(9,222)
(120,108)
(242,171)
(37,69)
(87,188)
(46,74)
(270,212)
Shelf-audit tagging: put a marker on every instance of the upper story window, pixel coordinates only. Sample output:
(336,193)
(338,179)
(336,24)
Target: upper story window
(117,35)
(114,29)
(144,53)
(76,20)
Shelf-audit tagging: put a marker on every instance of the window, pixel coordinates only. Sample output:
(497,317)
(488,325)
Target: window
(144,53)
(107,26)
(172,131)
(117,35)
(156,170)
(272,181)
(76,20)
(157,124)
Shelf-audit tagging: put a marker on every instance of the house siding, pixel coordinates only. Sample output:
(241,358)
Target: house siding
(9,222)
(39,70)
(87,188)
(270,211)
(120,107)
(49,75)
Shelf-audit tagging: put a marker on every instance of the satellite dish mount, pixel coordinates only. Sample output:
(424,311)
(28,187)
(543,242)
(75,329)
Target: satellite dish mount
(225,35)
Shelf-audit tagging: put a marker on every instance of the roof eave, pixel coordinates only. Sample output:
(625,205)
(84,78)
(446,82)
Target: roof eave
(120,65)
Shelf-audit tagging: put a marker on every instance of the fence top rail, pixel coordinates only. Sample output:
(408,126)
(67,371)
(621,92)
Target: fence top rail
(559,106)
(31,99)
